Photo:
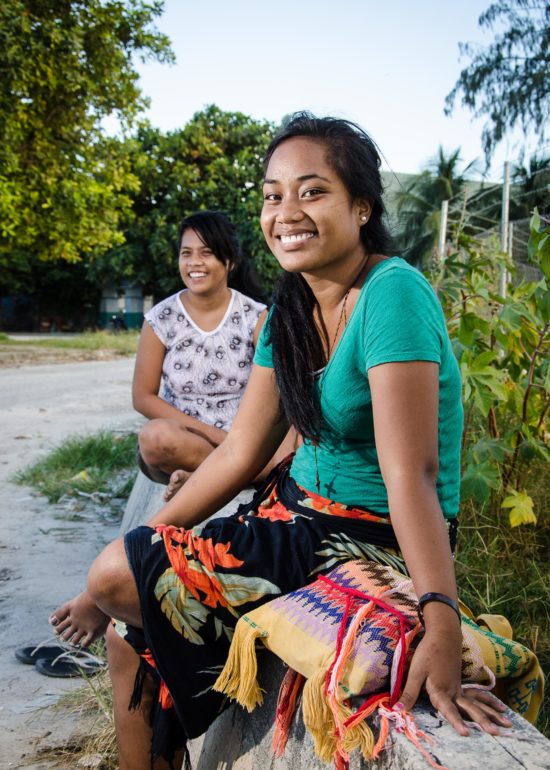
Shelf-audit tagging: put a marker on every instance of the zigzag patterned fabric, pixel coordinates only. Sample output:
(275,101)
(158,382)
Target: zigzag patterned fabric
(352,633)
(308,620)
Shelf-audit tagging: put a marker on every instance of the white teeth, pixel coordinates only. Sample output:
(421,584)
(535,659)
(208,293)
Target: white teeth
(197,275)
(298,237)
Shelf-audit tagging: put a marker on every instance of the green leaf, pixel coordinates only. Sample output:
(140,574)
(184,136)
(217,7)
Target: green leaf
(544,252)
(521,508)
(512,315)
(469,324)
(483,399)
(544,306)
(480,362)
(489,449)
(534,224)
(478,481)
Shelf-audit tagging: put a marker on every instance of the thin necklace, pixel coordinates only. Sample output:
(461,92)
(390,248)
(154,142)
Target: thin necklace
(343,317)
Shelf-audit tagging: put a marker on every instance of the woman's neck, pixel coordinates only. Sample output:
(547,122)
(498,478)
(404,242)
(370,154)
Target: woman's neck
(207,310)
(330,288)
(336,297)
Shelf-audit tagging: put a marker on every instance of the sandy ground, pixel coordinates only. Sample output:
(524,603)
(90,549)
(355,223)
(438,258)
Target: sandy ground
(44,556)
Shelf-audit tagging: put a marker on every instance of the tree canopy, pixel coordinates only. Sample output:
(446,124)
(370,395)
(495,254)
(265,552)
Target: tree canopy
(65,66)
(507,82)
(214,162)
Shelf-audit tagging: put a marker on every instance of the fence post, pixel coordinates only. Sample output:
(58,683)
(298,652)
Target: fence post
(504,221)
(442,232)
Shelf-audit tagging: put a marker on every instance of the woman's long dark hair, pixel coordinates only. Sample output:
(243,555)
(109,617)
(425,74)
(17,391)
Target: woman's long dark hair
(216,231)
(297,347)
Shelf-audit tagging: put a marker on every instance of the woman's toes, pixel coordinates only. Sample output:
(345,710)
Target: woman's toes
(177,480)
(60,614)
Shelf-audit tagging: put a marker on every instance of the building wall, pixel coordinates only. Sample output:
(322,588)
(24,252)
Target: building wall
(124,302)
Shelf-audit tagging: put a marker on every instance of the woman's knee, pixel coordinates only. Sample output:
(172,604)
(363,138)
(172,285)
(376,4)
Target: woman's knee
(111,583)
(157,441)
(122,657)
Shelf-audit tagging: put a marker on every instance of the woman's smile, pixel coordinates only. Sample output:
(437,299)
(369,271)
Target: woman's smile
(293,241)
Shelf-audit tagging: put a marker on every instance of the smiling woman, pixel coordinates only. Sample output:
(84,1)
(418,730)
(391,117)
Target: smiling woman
(196,347)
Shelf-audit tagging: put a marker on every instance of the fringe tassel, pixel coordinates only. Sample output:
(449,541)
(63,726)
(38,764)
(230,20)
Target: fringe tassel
(340,763)
(238,678)
(318,717)
(135,698)
(404,723)
(357,733)
(400,660)
(286,706)
(350,734)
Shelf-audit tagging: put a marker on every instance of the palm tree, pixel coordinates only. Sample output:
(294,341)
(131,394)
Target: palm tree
(533,182)
(419,205)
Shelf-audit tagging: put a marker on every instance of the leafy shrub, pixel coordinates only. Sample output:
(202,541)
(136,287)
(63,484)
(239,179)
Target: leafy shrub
(502,345)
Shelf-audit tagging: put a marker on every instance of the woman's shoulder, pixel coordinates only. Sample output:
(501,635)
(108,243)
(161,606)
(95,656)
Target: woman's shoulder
(165,307)
(251,308)
(394,269)
(393,277)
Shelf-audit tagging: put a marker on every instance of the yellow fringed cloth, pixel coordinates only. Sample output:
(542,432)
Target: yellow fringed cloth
(352,633)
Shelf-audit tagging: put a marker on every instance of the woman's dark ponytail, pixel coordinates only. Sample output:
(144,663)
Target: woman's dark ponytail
(244,278)
(297,350)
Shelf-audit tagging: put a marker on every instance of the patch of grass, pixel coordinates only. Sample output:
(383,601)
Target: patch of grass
(82,463)
(92,704)
(123,343)
(506,571)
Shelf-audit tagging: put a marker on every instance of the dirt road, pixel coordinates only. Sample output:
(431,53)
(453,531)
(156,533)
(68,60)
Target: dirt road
(43,556)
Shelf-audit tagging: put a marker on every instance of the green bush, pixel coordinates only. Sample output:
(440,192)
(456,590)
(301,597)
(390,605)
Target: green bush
(502,342)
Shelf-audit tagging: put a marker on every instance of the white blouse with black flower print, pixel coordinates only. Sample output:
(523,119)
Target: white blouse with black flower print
(204,374)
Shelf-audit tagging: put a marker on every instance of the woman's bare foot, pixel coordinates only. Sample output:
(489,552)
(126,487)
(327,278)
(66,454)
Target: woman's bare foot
(79,621)
(177,480)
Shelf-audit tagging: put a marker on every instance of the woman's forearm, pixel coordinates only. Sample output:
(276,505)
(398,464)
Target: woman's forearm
(221,476)
(423,538)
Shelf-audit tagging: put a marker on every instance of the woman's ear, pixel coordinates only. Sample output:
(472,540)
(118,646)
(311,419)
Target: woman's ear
(364,210)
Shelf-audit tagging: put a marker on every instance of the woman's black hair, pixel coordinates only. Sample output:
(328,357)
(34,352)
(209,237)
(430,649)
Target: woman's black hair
(216,231)
(297,347)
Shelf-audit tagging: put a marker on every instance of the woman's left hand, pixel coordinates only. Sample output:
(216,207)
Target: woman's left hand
(436,667)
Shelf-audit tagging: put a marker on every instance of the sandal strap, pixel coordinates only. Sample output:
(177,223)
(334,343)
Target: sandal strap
(71,652)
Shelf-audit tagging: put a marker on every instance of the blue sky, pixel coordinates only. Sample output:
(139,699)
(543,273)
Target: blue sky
(386,65)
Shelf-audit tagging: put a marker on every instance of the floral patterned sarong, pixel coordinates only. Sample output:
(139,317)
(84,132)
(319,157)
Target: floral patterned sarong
(194,584)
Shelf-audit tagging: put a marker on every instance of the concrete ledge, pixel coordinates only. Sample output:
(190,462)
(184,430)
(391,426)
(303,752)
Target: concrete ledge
(241,741)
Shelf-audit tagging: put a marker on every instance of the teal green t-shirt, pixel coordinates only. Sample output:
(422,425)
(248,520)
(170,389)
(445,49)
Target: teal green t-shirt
(397,317)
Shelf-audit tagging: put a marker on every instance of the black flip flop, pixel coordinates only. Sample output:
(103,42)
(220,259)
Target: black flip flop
(67,666)
(30,655)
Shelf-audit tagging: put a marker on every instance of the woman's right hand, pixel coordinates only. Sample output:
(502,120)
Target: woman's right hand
(436,667)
